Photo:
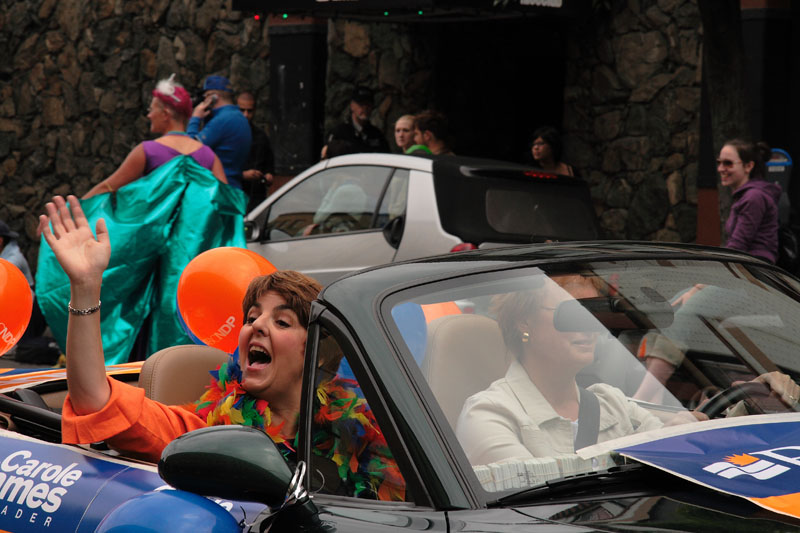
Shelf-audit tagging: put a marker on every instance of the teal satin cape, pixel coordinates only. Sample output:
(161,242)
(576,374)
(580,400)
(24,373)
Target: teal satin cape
(156,225)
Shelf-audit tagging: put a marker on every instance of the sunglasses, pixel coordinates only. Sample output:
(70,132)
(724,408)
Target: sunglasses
(727,163)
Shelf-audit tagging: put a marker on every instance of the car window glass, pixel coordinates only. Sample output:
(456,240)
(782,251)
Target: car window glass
(394,200)
(334,200)
(350,455)
(653,340)
(546,211)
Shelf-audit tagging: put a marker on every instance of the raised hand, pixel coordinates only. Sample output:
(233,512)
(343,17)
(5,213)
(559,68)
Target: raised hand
(82,257)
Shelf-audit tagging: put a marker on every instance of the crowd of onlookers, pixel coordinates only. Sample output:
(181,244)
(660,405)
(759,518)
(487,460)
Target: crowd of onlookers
(219,134)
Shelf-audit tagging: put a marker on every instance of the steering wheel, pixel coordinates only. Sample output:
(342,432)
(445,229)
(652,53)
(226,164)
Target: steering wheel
(338,223)
(715,406)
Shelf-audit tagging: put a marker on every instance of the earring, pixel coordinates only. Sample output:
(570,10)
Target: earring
(525,336)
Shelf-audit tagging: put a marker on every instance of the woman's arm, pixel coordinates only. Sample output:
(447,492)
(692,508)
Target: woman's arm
(130,170)
(218,170)
(83,259)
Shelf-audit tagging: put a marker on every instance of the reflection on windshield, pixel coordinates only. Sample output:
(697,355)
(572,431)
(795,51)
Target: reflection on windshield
(530,366)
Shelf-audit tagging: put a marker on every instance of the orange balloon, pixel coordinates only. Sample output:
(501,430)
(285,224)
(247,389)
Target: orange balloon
(210,293)
(16,304)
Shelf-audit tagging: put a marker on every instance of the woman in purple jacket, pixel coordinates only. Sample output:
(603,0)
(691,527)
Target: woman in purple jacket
(752,226)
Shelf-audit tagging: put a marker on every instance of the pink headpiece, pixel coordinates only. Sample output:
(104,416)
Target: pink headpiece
(174,95)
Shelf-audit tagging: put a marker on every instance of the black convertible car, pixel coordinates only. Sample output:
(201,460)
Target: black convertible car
(480,368)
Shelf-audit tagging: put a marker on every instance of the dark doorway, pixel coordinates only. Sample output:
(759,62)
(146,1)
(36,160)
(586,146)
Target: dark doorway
(497,81)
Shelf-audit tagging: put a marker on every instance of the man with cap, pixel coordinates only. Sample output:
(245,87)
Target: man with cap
(218,123)
(9,250)
(357,128)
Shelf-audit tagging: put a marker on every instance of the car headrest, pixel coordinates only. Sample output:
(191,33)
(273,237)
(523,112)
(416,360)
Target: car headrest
(179,374)
(464,355)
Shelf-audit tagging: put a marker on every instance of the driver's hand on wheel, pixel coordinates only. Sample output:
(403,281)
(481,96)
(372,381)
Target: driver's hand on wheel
(782,387)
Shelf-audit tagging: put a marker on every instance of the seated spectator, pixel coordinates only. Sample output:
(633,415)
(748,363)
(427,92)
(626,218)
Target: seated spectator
(32,347)
(169,112)
(10,251)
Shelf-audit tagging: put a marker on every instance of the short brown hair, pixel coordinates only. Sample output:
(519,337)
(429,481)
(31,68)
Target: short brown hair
(434,122)
(297,289)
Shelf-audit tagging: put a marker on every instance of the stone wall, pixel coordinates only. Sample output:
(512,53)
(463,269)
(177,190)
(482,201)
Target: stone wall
(77,78)
(631,116)
(75,85)
(394,60)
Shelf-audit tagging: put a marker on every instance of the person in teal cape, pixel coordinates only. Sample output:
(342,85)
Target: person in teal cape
(158,223)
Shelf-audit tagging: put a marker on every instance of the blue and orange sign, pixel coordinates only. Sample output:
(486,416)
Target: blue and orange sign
(759,462)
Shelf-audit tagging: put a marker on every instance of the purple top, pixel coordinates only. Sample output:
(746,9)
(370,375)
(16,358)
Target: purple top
(157,154)
(752,226)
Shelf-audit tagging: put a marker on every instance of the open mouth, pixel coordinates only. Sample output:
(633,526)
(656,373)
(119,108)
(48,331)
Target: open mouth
(258,356)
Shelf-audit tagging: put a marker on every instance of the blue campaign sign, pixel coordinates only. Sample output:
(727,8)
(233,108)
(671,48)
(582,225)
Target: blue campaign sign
(760,462)
(50,486)
(53,487)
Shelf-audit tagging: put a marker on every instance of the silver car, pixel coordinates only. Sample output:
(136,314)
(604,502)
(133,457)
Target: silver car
(360,210)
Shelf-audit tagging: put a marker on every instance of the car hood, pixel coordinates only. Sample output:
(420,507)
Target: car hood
(724,475)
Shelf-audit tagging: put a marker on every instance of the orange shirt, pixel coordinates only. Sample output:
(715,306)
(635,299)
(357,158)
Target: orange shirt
(129,421)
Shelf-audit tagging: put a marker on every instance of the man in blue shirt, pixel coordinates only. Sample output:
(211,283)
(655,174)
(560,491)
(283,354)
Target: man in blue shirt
(226,130)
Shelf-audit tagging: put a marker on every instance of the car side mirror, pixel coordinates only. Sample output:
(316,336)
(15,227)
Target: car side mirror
(229,462)
(393,231)
(250,231)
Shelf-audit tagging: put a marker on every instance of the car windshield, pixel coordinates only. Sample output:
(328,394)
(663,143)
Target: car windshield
(529,365)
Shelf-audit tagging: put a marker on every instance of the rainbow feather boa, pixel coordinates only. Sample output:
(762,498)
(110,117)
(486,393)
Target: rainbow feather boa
(344,430)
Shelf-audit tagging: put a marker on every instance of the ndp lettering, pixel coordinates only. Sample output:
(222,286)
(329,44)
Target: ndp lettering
(220,334)
(34,483)
(6,336)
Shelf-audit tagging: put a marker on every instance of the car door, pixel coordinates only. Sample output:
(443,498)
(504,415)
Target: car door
(358,469)
(330,223)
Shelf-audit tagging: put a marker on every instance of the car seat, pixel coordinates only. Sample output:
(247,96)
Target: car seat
(179,374)
(464,355)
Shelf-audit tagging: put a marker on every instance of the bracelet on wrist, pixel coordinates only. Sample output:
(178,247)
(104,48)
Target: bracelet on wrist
(83,312)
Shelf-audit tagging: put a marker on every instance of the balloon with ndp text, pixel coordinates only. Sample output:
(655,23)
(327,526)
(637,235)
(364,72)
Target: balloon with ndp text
(16,303)
(210,293)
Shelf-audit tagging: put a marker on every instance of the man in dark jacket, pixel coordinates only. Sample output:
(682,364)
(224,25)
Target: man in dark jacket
(357,128)
(260,165)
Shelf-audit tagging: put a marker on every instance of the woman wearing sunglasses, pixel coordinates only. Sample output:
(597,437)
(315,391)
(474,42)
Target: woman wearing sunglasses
(752,225)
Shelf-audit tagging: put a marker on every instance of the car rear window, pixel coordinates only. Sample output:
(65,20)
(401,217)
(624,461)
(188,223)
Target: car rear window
(512,204)
(550,210)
